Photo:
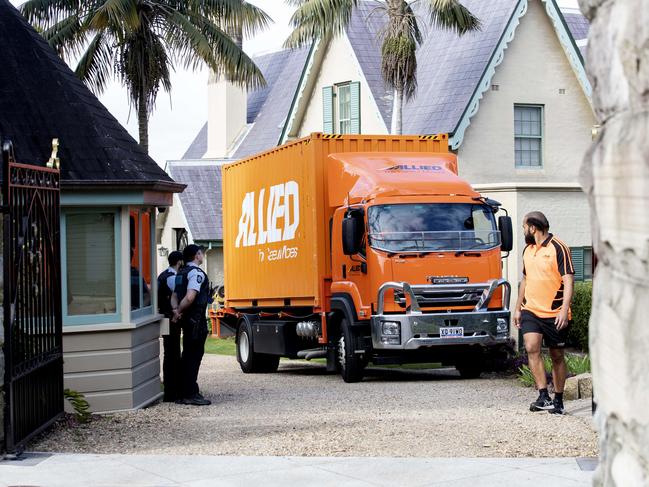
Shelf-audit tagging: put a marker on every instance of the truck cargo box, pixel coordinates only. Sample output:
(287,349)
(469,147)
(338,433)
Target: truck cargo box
(276,218)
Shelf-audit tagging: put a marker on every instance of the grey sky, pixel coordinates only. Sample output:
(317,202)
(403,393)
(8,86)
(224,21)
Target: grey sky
(179,115)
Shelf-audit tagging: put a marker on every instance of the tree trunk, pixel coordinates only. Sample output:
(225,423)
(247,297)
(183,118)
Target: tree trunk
(615,176)
(397,110)
(143,122)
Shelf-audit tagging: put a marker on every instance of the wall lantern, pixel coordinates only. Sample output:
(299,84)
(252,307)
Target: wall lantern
(163,251)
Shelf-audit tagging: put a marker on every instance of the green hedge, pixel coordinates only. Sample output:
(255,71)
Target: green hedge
(581,305)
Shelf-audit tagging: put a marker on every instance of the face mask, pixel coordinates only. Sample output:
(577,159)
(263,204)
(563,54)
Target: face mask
(529,239)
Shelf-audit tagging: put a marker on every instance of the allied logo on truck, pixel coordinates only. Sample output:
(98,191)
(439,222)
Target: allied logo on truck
(412,167)
(270,216)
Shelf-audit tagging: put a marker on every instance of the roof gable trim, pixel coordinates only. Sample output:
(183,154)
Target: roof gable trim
(569,45)
(565,39)
(292,112)
(485,81)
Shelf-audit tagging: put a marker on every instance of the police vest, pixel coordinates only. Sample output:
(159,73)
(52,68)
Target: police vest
(199,305)
(164,293)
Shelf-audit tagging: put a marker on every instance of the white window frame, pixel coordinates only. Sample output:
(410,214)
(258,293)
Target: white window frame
(540,137)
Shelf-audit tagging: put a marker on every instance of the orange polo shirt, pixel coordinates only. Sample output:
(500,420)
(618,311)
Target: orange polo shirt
(544,267)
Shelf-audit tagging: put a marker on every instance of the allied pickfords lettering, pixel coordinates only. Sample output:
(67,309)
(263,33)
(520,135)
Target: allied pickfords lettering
(273,215)
(413,167)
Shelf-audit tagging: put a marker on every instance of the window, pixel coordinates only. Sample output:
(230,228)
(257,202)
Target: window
(182,239)
(90,286)
(341,108)
(344,109)
(528,135)
(582,260)
(141,261)
(431,227)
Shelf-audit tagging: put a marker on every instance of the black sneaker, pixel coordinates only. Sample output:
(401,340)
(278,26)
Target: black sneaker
(543,403)
(557,407)
(195,401)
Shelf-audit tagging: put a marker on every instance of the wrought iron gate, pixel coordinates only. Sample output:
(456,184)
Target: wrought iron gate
(32,299)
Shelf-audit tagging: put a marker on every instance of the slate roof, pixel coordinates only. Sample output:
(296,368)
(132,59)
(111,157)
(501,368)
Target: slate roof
(577,23)
(449,66)
(201,200)
(41,98)
(268,107)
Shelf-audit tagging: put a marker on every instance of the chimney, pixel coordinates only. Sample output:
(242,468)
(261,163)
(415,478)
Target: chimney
(227,106)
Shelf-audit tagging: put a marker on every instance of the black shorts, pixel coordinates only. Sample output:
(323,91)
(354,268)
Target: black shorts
(553,338)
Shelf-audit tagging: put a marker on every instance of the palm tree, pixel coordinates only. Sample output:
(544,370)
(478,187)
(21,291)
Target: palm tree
(322,19)
(141,41)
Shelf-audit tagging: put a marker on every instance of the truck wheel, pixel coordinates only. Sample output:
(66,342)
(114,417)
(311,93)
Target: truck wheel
(351,365)
(249,361)
(469,370)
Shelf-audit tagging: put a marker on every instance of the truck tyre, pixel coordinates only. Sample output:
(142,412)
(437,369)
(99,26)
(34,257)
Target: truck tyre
(469,370)
(249,361)
(351,365)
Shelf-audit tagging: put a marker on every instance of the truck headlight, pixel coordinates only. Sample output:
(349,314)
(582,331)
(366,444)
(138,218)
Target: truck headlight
(391,328)
(502,326)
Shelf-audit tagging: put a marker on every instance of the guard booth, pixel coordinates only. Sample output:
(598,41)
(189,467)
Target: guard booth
(32,326)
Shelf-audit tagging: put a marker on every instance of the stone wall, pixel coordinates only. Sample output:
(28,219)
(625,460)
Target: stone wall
(615,175)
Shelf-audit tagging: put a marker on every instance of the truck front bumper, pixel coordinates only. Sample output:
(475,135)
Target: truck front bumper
(414,330)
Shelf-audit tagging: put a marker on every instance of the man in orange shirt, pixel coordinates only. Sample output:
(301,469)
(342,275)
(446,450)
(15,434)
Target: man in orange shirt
(543,308)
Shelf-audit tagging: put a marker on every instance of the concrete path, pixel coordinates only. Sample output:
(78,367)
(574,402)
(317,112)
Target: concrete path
(71,470)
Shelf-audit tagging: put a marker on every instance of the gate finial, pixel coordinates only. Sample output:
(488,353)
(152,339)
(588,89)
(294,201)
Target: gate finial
(54,159)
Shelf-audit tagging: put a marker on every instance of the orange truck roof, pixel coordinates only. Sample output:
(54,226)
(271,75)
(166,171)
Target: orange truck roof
(277,206)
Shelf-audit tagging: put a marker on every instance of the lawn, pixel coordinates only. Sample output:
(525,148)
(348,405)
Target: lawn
(226,346)
(221,346)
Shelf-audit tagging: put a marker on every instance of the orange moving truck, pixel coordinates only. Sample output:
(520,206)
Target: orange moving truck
(362,249)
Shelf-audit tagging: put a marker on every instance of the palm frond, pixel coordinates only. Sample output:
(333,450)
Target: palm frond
(318,19)
(452,15)
(399,48)
(44,13)
(198,40)
(232,15)
(113,13)
(95,67)
(67,37)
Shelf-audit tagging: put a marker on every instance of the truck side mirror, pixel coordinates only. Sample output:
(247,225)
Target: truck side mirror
(506,233)
(352,233)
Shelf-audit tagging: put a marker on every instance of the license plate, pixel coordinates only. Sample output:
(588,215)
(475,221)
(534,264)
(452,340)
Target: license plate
(451,331)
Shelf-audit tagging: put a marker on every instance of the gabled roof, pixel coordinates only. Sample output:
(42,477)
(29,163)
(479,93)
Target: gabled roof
(201,200)
(268,107)
(450,67)
(42,99)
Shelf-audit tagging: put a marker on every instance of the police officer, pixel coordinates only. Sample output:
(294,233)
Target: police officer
(171,362)
(189,303)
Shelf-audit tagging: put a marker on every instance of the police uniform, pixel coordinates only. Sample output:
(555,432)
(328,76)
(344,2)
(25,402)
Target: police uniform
(171,367)
(193,323)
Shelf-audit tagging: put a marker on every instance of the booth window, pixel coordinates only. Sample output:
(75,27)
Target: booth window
(89,266)
(141,264)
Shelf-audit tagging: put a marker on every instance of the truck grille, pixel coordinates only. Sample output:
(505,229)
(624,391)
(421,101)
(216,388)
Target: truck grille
(443,296)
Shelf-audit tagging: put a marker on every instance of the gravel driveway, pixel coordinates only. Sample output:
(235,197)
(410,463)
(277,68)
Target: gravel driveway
(300,410)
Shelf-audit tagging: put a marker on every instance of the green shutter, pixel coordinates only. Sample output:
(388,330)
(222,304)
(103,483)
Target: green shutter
(355,92)
(328,110)
(578,262)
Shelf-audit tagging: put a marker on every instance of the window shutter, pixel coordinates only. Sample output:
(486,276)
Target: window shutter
(328,110)
(577,254)
(355,91)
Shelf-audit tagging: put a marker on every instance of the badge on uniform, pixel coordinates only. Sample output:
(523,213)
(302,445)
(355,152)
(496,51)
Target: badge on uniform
(199,278)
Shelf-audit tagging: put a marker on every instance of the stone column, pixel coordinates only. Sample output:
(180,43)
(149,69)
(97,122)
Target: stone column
(615,175)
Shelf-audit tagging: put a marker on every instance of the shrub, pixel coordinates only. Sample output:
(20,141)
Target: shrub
(581,305)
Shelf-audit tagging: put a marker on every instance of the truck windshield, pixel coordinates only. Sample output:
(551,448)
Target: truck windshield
(432,227)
